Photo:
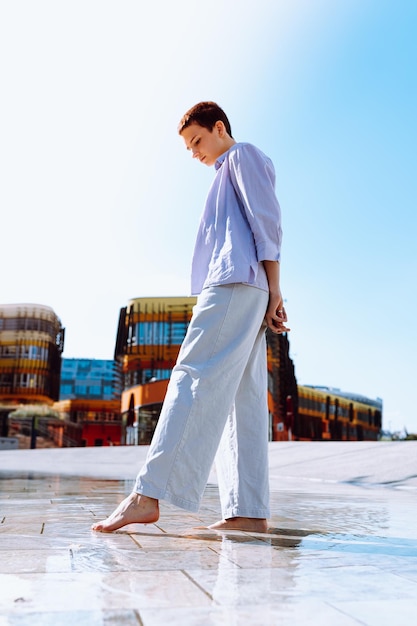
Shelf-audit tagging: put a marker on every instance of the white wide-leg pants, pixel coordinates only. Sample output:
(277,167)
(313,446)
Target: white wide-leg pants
(216,401)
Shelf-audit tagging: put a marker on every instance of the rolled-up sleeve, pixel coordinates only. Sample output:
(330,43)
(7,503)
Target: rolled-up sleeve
(253,177)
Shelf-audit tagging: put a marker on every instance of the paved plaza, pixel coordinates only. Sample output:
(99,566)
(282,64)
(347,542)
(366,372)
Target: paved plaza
(341,547)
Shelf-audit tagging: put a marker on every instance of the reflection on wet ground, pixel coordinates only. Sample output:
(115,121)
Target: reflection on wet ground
(333,555)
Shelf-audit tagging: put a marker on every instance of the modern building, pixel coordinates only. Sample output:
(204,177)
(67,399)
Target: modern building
(31,344)
(328,413)
(89,404)
(97,402)
(282,387)
(88,422)
(93,379)
(83,395)
(149,337)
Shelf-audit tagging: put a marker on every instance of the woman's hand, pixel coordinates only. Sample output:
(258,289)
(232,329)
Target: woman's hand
(276,316)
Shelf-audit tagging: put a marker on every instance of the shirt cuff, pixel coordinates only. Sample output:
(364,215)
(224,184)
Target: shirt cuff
(266,251)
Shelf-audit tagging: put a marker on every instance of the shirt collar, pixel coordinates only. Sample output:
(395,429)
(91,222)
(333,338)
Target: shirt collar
(220,160)
(222,157)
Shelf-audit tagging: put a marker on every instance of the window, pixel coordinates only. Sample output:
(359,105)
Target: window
(8,352)
(159,333)
(159,374)
(27,381)
(108,390)
(6,380)
(24,352)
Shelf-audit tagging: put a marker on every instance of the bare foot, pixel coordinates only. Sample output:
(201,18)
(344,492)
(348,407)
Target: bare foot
(135,509)
(251,524)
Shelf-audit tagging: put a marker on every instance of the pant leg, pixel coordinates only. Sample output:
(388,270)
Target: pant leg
(242,458)
(201,392)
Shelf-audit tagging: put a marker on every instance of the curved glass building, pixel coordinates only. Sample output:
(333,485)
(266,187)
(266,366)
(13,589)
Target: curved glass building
(31,344)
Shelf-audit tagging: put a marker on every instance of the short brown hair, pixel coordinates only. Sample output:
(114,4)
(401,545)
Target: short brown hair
(205,114)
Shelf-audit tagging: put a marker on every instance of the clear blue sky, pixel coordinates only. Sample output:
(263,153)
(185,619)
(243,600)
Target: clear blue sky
(100,201)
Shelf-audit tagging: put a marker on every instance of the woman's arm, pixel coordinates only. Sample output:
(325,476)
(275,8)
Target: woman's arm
(275,316)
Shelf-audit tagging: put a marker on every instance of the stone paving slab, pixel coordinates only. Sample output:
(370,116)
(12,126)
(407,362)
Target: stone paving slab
(336,552)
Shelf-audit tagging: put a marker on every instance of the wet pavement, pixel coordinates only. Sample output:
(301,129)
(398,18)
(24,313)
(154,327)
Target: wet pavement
(337,552)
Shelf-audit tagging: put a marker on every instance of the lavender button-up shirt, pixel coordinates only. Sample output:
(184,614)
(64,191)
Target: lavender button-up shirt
(241,222)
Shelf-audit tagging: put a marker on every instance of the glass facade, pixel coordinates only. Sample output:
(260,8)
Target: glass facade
(158,333)
(90,378)
(149,337)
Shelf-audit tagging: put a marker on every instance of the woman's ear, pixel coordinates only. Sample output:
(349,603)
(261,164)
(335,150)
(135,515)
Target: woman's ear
(220,128)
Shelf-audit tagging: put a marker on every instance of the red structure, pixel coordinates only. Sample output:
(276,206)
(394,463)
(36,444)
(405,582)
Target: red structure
(88,423)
